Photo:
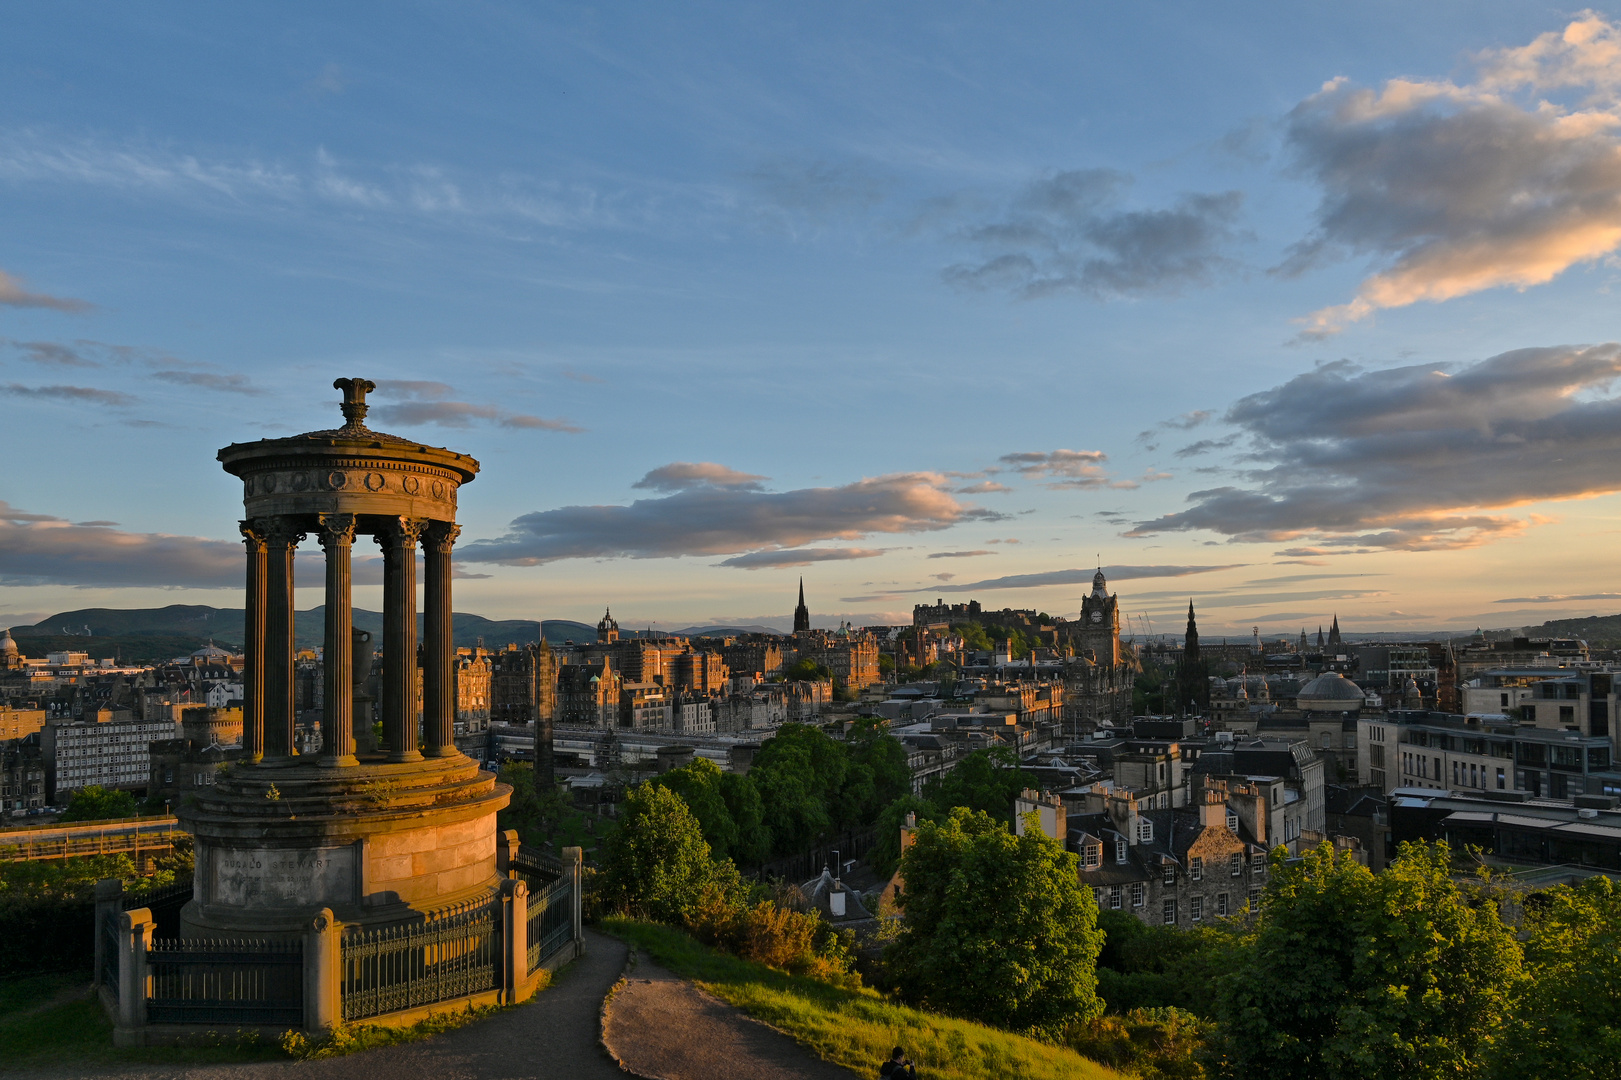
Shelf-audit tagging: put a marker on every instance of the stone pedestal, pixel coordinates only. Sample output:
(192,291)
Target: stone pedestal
(377,842)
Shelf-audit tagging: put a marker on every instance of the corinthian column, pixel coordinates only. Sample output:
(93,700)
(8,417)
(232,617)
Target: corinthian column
(253,645)
(337,535)
(439,651)
(398,539)
(282,536)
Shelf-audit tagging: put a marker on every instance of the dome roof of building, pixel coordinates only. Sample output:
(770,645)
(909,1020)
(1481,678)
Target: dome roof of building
(1330,687)
(210,652)
(7,645)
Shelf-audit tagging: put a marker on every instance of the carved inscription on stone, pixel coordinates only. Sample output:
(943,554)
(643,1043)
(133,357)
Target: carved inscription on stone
(275,877)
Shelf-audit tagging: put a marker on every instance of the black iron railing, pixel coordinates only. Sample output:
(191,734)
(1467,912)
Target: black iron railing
(110,950)
(229,981)
(551,921)
(450,954)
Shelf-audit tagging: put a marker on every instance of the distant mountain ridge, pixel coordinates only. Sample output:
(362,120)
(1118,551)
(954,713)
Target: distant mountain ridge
(137,628)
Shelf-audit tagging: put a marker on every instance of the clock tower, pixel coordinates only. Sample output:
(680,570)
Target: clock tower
(1100,623)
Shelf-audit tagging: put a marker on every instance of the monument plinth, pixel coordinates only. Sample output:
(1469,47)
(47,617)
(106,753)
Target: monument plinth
(376,836)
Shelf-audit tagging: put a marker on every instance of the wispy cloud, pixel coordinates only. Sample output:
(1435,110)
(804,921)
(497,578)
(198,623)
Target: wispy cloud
(1559,598)
(1458,188)
(1066,468)
(1071,232)
(959,554)
(778,558)
(1077,577)
(14,294)
(226,382)
(430,403)
(84,395)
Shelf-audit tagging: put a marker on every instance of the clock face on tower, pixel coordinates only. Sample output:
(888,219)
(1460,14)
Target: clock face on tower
(1097,615)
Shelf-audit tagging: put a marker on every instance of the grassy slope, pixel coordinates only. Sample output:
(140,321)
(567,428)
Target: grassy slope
(76,1032)
(857,1029)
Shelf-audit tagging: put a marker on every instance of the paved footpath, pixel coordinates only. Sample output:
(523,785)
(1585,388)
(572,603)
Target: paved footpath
(664,1028)
(555,1035)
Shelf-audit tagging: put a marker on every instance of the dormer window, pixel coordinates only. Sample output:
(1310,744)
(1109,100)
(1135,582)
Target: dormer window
(1119,851)
(1091,855)
(1145,832)
(1232,821)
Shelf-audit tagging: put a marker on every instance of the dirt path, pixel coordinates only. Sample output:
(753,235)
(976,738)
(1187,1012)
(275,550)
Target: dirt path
(555,1035)
(662,1027)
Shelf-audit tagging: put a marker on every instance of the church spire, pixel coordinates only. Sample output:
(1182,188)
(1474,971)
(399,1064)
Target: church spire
(801,613)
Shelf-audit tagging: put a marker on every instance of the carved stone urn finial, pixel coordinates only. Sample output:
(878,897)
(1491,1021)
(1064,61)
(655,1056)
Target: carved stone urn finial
(354,401)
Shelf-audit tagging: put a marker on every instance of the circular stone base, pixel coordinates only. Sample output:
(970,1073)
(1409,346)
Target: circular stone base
(376,842)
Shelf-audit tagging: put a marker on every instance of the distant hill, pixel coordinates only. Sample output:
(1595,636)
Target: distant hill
(726,631)
(143,634)
(1602,630)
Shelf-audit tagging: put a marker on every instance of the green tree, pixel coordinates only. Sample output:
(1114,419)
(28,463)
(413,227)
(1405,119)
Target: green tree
(699,785)
(799,773)
(97,803)
(655,863)
(885,854)
(748,815)
(806,671)
(1568,1020)
(997,928)
(871,744)
(536,814)
(1156,967)
(1353,975)
(987,780)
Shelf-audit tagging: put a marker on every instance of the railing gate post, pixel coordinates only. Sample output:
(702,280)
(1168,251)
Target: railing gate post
(135,935)
(323,954)
(573,859)
(109,902)
(514,939)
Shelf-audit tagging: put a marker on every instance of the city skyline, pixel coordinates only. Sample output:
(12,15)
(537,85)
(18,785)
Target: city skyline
(916,303)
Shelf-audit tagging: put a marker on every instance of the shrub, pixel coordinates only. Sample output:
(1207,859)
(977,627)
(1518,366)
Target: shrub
(1155,1044)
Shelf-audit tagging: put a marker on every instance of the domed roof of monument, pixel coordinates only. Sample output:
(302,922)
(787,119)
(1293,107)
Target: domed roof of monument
(7,645)
(212,652)
(352,436)
(1330,686)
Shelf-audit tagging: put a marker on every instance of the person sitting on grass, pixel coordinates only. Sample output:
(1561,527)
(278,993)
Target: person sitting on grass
(898,1067)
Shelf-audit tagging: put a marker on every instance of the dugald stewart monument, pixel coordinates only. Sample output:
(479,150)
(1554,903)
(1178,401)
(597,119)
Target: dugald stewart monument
(385,832)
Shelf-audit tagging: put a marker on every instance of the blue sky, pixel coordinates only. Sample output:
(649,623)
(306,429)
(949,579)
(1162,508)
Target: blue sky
(721,296)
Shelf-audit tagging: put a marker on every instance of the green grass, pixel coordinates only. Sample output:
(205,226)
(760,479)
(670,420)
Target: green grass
(857,1028)
(77,1032)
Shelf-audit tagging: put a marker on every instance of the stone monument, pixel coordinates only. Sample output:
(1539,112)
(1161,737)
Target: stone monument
(379,836)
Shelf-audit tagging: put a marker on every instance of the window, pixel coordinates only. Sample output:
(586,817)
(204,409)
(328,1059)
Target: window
(1376,756)
(1504,699)
(1350,740)
(1145,832)
(1170,874)
(1196,909)
(1119,851)
(1257,862)
(1168,913)
(1114,897)
(1221,905)
(1500,784)
(1236,863)
(1255,898)
(1232,821)
(1138,893)
(1091,855)
(1196,868)
(1099,896)
(1325,741)
(1455,779)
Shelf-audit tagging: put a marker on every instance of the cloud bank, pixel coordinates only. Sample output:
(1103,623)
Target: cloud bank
(13,294)
(1077,577)
(1453,189)
(707,519)
(1415,458)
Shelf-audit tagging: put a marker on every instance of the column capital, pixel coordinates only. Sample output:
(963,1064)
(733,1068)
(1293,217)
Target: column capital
(401,532)
(440,536)
(279,530)
(253,534)
(336,530)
